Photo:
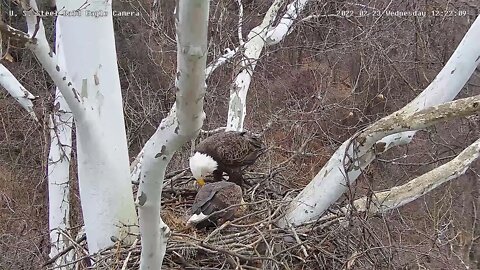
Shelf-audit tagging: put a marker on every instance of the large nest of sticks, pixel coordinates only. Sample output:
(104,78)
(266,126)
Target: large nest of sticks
(252,241)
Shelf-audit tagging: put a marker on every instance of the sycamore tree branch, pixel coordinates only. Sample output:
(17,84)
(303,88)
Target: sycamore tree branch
(237,107)
(36,41)
(401,122)
(368,145)
(398,196)
(273,36)
(263,35)
(229,54)
(107,205)
(284,27)
(58,168)
(240,23)
(17,91)
(406,121)
(16,35)
(347,163)
(181,125)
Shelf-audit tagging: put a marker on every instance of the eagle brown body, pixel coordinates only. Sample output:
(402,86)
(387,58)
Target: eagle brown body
(232,151)
(214,197)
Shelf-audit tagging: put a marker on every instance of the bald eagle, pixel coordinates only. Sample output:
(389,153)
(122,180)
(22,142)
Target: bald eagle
(214,197)
(227,152)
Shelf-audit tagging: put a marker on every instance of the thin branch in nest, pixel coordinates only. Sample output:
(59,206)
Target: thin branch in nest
(183,261)
(65,251)
(234,254)
(305,253)
(125,263)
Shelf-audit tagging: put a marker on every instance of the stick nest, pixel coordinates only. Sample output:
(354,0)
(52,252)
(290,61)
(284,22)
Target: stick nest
(252,241)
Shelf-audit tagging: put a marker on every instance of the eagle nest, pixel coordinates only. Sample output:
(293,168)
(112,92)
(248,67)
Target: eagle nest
(252,241)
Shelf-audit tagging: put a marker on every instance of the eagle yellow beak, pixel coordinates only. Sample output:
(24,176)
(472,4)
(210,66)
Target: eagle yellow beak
(201,182)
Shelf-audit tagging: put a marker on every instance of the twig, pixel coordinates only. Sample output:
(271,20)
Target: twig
(298,239)
(65,251)
(125,263)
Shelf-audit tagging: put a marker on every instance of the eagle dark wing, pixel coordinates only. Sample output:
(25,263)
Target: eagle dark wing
(232,148)
(214,197)
(203,197)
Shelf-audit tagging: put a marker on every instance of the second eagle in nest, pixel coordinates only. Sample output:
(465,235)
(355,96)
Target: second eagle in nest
(216,203)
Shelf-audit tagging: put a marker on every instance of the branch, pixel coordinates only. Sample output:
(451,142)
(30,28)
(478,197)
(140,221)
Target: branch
(229,54)
(212,131)
(65,251)
(48,59)
(284,27)
(181,125)
(237,105)
(272,37)
(406,121)
(347,163)
(382,202)
(15,34)
(240,22)
(17,91)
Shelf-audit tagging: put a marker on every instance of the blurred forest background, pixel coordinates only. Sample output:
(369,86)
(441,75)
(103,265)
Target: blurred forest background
(332,76)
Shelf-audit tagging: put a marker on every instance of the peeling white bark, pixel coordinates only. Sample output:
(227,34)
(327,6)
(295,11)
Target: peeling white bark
(136,165)
(40,47)
(398,196)
(263,35)
(103,165)
(229,54)
(60,124)
(449,81)
(284,27)
(237,106)
(58,167)
(90,57)
(331,182)
(240,23)
(17,91)
(181,125)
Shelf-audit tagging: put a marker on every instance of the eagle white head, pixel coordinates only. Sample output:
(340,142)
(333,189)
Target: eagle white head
(202,165)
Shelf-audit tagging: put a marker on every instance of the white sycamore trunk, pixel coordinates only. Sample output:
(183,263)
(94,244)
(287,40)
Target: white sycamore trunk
(331,182)
(60,124)
(90,58)
(103,165)
(237,106)
(180,126)
(263,35)
(17,91)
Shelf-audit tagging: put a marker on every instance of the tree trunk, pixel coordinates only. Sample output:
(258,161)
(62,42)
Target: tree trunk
(60,124)
(181,125)
(90,61)
(347,163)
(237,106)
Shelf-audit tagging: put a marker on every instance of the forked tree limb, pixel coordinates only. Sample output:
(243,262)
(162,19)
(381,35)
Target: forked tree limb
(395,197)
(405,121)
(36,41)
